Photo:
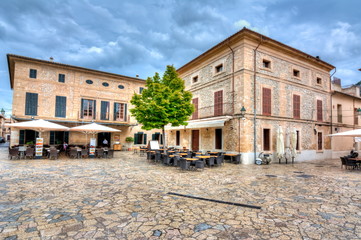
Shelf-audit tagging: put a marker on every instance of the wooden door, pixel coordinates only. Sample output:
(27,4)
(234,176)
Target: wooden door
(195,140)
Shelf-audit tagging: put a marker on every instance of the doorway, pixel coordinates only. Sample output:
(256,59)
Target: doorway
(101,137)
(195,140)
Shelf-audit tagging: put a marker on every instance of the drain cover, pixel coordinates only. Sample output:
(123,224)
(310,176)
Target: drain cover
(304,176)
(298,172)
(271,176)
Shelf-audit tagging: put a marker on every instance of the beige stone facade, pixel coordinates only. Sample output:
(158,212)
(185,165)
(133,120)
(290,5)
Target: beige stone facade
(235,66)
(345,102)
(77,85)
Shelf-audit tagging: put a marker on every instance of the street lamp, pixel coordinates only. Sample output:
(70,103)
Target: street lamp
(2,111)
(243,112)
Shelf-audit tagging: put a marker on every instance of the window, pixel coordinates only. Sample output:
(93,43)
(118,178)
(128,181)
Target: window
(31,104)
(319,111)
(120,86)
(355,117)
(61,78)
(339,113)
(266,140)
(266,63)
(105,84)
(104,110)
(60,106)
(89,81)
(296,73)
(28,137)
(58,137)
(195,104)
(298,140)
(141,90)
(296,106)
(140,138)
(32,73)
(319,141)
(266,101)
(219,68)
(218,139)
(218,103)
(120,110)
(157,137)
(88,109)
(195,79)
(319,80)
(177,138)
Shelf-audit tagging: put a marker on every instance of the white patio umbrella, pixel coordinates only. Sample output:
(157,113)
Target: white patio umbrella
(93,128)
(38,125)
(294,142)
(352,133)
(280,150)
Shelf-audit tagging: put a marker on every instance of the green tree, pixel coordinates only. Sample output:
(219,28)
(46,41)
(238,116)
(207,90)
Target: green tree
(163,101)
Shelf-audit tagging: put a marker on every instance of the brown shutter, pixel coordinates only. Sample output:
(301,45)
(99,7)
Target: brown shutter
(296,106)
(266,101)
(195,104)
(218,103)
(355,116)
(319,111)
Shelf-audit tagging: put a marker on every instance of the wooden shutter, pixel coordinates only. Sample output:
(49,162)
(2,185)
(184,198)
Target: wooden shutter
(218,103)
(60,106)
(82,108)
(22,137)
(195,104)
(52,137)
(319,111)
(153,137)
(66,137)
(94,109)
(104,110)
(355,116)
(125,112)
(31,104)
(266,101)
(145,139)
(135,138)
(296,106)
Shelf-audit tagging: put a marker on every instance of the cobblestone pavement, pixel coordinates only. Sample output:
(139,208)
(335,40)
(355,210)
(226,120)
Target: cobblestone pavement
(126,198)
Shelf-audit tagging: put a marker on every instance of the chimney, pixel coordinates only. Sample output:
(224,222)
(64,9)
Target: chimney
(137,75)
(51,59)
(336,81)
(318,57)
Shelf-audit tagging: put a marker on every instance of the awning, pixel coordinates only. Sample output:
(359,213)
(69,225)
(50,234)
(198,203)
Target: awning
(202,123)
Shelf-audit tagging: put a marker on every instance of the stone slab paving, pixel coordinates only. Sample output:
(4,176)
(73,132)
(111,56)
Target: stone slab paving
(126,198)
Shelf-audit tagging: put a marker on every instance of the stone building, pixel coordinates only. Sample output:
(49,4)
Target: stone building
(2,126)
(71,96)
(345,102)
(275,83)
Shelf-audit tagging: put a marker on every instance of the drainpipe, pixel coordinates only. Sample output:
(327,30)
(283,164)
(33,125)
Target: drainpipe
(228,45)
(254,100)
(331,99)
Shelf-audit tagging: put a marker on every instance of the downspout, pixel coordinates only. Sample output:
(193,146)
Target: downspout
(232,76)
(254,101)
(331,99)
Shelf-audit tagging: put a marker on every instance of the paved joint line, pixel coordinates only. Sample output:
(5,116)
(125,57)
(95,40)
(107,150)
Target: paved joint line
(217,201)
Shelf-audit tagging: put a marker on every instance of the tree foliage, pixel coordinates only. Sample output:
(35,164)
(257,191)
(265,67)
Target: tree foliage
(162,101)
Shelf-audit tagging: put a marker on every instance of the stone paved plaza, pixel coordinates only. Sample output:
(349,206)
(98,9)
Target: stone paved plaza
(126,198)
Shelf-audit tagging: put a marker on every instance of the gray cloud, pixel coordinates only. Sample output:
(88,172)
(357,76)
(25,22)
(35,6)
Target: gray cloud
(141,37)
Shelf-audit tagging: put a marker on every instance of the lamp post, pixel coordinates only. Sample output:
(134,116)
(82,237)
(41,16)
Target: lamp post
(243,112)
(2,111)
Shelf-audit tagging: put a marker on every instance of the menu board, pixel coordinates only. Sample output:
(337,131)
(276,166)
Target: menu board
(92,147)
(39,147)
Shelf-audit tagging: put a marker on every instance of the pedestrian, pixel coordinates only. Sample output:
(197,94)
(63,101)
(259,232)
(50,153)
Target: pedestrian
(105,143)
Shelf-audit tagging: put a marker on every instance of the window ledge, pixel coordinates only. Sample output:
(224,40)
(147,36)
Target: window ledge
(266,69)
(319,151)
(296,78)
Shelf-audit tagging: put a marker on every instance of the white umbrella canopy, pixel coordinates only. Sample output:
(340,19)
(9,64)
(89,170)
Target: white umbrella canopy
(294,142)
(280,150)
(38,125)
(93,128)
(352,133)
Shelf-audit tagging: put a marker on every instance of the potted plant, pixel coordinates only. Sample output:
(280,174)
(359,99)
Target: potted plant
(129,141)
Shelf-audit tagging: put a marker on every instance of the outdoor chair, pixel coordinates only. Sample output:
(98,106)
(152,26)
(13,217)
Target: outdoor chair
(219,160)
(351,163)
(166,160)
(84,153)
(199,165)
(53,154)
(157,156)
(176,161)
(100,153)
(73,153)
(237,159)
(343,162)
(110,153)
(29,153)
(184,164)
(210,161)
(14,153)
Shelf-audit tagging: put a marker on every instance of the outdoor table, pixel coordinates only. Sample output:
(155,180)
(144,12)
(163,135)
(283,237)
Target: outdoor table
(191,159)
(213,152)
(22,151)
(142,151)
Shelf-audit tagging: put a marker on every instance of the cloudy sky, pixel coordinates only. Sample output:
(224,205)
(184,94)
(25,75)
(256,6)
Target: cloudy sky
(141,37)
